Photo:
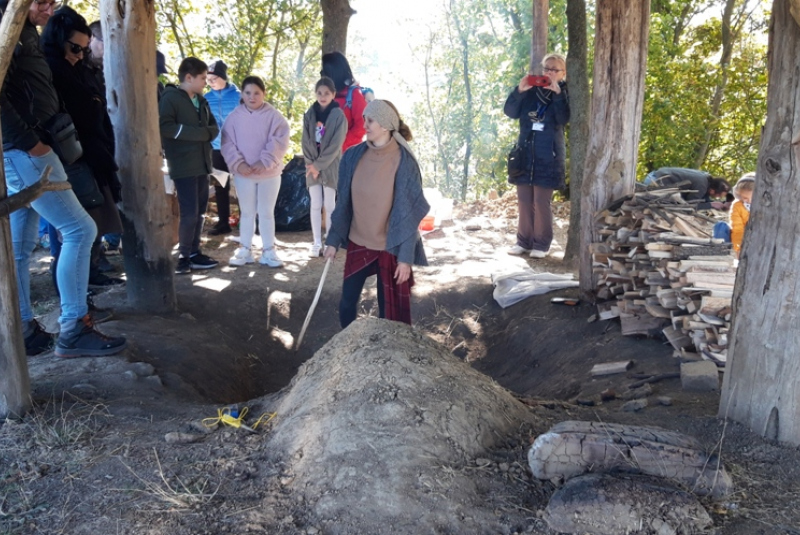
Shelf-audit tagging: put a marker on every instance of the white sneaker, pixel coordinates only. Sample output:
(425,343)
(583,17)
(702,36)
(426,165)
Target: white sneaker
(518,250)
(538,254)
(270,258)
(314,250)
(241,256)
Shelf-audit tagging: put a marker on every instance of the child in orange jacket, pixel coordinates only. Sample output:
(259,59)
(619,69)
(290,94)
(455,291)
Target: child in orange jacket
(740,209)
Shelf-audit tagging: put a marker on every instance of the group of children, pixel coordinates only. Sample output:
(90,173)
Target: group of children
(249,141)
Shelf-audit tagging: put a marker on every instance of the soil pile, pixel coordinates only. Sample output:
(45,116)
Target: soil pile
(377,427)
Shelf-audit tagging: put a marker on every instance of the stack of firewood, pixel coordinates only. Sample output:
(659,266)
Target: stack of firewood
(658,269)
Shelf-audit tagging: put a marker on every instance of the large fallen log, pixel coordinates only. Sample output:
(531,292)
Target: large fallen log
(573,448)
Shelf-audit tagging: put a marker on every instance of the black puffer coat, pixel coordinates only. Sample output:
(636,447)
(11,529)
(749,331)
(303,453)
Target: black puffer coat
(28,97)
(85,101)
(546,149)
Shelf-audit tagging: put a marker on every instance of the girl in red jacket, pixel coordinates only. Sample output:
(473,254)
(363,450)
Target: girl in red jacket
(348,96)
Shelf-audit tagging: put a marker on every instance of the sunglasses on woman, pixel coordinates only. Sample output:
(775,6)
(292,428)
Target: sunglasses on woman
(77,49)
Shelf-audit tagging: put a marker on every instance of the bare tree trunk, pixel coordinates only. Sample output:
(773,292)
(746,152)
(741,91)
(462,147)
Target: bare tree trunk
(620,60)
(762,376)
(436,129)
(728,38)
(541,9)
(132,105)
(335,18)
(580,109)
(15,385)
(469,113)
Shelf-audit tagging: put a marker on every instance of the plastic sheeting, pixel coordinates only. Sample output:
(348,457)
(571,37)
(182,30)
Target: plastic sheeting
(511,288)
(293,208)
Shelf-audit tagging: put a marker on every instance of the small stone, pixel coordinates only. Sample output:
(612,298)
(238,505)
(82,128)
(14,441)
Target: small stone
(181,438)
(634,405)
(608,395)
(481,462)
(666,401)
(154,381)
(504,467)
(142,369)
(130,375)
(187,316)
(312,531)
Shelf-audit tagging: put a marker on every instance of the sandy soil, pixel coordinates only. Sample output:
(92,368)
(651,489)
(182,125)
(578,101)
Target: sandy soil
(92,457)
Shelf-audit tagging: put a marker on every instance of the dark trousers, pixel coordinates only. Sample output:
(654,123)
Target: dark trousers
(223,195)
(351,294)
(535,229)
(192,201)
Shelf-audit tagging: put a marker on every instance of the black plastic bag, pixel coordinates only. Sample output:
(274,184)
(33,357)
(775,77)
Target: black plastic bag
(293,208)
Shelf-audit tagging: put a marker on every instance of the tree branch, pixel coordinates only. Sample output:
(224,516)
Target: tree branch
(31,193)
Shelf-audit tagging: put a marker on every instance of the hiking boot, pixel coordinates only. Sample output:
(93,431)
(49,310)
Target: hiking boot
(84,341)
(518,250)
(270,258)
(242,256)
(183,267)
(102,281)
(315,250)
(38,341)
(201,261)
(219,230)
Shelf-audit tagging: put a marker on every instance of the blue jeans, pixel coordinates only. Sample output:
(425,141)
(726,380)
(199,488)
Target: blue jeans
(63,211)
(722,231)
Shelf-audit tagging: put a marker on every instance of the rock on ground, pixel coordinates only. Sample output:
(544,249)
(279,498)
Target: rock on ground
(605,505)
(377,428)
(573,448)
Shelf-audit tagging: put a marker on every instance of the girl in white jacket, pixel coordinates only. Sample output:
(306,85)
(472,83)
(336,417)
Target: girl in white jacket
(255,138)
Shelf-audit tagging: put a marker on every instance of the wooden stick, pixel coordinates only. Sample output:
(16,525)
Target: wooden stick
(313,304)
(31,193)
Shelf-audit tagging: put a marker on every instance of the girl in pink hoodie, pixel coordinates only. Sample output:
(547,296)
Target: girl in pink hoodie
(255,138)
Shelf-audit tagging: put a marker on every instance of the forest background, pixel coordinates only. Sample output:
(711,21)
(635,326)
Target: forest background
(449,66)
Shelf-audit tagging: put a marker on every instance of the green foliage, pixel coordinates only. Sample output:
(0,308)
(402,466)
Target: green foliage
(683,73)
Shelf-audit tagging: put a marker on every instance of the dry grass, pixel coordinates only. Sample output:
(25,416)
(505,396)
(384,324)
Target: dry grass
(178,495)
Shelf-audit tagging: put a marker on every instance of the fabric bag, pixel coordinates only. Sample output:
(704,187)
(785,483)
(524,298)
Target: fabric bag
(84,185)
(63,138)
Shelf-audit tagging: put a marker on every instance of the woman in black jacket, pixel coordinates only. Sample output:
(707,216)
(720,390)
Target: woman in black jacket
(542,112)
(65,41)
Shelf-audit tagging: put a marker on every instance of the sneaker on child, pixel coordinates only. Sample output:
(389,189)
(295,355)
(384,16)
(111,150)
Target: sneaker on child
(183,267)
(241,256)
(315,250)
(201,261)
(537,254)
(83,340)
(270,258)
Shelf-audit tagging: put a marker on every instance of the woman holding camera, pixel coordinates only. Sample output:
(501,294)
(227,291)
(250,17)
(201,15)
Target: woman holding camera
(542,106)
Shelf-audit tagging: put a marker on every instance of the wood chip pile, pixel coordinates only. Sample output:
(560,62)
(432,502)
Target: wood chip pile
(659,270)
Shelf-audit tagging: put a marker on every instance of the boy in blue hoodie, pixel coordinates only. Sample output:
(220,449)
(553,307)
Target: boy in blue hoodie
(222,99)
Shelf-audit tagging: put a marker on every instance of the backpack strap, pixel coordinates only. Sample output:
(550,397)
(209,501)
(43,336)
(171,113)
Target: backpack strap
(349,100)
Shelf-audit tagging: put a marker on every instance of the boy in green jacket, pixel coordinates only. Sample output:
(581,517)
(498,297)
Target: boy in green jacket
(187,128)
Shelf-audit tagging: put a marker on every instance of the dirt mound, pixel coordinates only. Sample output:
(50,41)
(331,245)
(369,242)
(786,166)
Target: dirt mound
(377,427)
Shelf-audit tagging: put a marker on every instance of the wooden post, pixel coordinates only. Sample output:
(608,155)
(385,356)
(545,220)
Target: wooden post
(15,385)
(762,375)
(620,61)
(335,19)
(541,9)
(130,73)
